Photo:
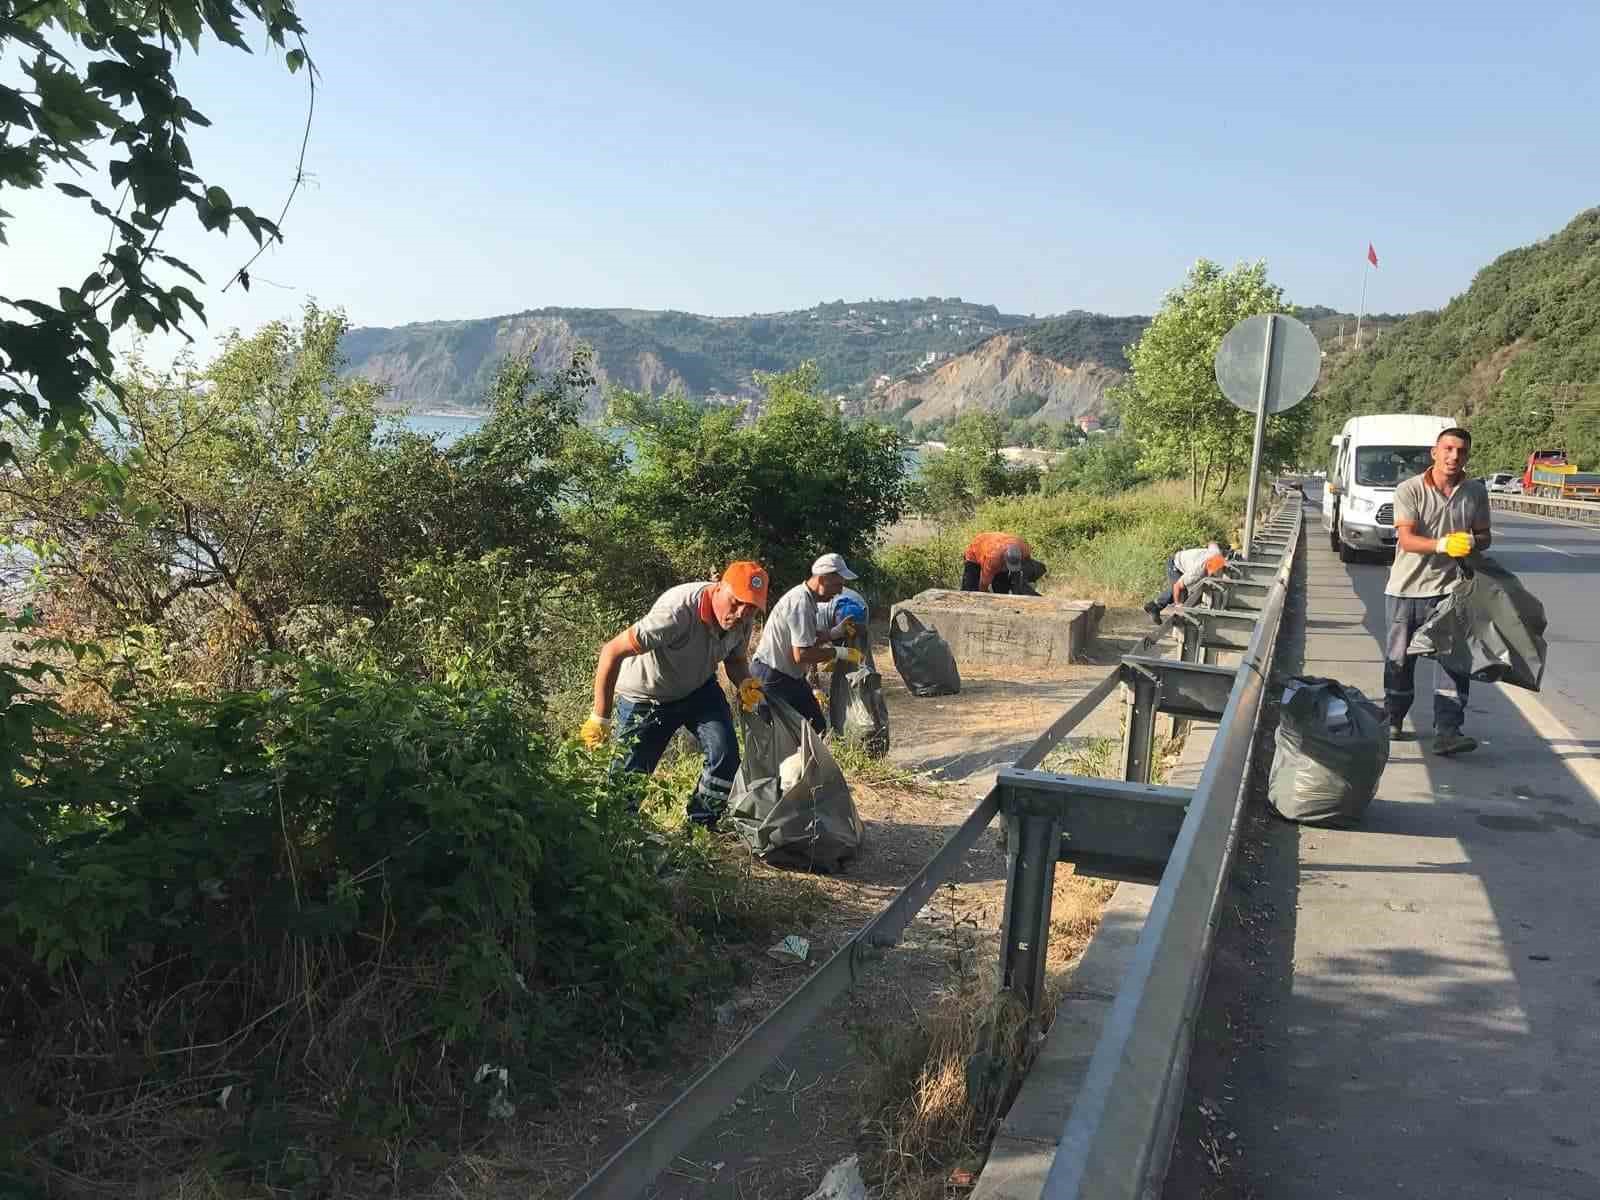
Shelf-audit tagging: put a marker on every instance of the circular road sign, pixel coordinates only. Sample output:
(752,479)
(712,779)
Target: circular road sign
(1296,361)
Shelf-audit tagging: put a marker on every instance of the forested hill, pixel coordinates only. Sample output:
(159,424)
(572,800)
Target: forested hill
(1516,357)
(446,363)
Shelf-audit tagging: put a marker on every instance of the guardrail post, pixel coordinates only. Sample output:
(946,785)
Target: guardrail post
(1142,694)
(1034,842)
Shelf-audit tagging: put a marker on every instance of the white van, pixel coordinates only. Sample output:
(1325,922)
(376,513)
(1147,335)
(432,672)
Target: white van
(1370,458)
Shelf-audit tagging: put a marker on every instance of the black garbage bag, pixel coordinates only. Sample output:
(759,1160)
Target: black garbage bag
(1489,627)
(922,657)
(790,801)
(857,709)
(1333,744)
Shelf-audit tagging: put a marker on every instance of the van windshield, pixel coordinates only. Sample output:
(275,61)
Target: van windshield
(1388,466)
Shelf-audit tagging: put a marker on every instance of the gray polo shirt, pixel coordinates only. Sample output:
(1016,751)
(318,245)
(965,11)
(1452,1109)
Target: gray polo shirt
(1433,515)
(791,625)
(679,645)
(1191,564)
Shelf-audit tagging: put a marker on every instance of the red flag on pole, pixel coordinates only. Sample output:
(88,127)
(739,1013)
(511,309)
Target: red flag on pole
(1372,255)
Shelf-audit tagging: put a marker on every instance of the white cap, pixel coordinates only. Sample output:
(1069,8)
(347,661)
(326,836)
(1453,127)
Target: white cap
(833,564)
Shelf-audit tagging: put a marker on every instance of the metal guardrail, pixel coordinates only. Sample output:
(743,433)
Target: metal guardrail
(1118,1139)
(1138,848)
(1570,510)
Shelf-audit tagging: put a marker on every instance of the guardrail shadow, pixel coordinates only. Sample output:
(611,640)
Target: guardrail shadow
(1432,1023)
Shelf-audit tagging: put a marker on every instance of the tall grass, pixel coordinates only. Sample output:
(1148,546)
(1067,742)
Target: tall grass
(1112,550)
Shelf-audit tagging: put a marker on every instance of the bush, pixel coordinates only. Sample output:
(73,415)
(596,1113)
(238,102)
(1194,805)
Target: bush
(345,896)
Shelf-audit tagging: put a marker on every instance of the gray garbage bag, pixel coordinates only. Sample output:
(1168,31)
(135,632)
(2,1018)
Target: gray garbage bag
(1333,744)
(790,800)
(1489,627)
(857,709)
(922,657)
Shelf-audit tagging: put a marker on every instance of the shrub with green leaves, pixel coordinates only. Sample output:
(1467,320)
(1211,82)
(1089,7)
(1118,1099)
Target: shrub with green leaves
(284,881)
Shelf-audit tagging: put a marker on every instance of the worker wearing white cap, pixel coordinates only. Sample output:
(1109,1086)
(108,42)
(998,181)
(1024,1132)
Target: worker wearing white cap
(791,641)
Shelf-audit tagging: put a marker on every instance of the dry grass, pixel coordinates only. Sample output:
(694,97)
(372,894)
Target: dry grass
(921,1113)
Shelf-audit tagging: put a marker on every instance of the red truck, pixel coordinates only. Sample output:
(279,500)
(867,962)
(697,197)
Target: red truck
(1550,476)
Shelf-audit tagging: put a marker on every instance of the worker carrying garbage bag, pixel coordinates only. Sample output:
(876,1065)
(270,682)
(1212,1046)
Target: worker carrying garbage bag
(660,676)
(851,696)
(1440,518)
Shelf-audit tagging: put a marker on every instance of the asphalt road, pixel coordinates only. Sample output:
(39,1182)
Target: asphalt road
(1560,563)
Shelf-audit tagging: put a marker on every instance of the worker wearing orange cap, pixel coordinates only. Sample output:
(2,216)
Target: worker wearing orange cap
(1185,569)
(662,675)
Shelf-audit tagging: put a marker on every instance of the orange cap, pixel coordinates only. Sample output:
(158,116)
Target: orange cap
(1215,564)
(749,582)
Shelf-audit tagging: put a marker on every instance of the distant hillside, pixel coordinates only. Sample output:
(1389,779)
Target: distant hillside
(441,364)
(1516,357)
(1054,370)
(914,362)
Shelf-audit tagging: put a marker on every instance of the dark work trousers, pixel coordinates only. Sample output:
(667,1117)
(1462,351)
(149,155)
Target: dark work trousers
(1406,615)
(1003,583)
(1166,598)
(796,693)
(645,727)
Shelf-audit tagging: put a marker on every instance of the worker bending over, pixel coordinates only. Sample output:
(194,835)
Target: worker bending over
(1185,569)
(1000,563)
(791,641)
(662,672)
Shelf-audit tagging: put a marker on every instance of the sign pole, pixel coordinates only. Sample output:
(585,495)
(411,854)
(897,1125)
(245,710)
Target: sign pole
(1261,433)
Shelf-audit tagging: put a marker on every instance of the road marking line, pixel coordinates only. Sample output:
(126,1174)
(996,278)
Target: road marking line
(1554,550)
(1582,764)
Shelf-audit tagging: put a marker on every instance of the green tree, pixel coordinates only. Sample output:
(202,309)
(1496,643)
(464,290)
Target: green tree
(1105,466)
(1171,402)
(794,482)
(100,88)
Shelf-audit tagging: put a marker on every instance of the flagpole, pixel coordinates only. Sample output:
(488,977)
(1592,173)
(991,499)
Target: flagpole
(1367,270)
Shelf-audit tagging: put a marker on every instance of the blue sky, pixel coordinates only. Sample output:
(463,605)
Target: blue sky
(737,158)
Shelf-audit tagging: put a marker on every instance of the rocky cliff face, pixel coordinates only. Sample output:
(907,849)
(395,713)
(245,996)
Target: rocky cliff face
(422,365)
(990,376)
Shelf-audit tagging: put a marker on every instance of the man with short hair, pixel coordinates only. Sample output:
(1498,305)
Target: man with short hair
(1185,569)
(662,673)
(1001,563)
(791,642)
(1440,517)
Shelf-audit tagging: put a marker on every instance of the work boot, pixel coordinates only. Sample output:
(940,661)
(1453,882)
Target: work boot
(1154,610)
(1397,729)
(1453,741)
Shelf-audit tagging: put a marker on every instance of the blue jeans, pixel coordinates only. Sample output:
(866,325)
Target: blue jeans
(645,727)
(1406,615)
(1166,598)
(796,693)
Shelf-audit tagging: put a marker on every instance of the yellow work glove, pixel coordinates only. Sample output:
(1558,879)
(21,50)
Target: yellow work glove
(595,731)
(848,655)
(847,628)
(751,694)
(822,699)
(1456,545)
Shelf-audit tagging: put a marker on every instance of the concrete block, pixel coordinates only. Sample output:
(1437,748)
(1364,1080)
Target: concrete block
(1037,631)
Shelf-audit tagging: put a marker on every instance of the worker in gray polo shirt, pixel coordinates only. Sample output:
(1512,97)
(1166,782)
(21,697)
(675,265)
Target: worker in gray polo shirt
(790,641)
(1440,517)
(662,675)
